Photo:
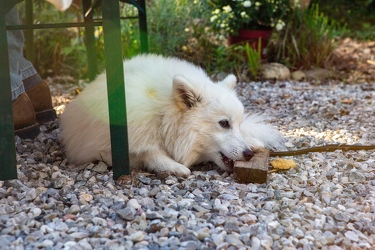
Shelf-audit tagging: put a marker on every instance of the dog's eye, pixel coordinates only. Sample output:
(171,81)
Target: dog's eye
(224,124)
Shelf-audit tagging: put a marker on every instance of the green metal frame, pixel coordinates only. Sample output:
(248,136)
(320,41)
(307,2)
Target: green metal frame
(8,168)
(115,87)
(89,24)
(114,70)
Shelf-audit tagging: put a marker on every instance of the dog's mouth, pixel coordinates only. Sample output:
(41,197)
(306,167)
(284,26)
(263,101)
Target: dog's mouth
(228,162)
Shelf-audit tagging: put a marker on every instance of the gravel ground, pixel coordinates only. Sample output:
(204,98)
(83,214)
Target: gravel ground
(327,202)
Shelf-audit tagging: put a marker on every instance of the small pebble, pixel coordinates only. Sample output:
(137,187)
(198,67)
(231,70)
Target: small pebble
(133,203)
(127,213)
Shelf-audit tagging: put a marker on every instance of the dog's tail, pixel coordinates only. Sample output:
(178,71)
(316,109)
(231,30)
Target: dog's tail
(259,134)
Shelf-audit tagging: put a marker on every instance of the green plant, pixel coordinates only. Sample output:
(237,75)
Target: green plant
(175,28)
(229,16)
(254,58)
(356,15)
(62,51)
(243,61)
(57,51)
(169,24)
(307,41)
(225,59)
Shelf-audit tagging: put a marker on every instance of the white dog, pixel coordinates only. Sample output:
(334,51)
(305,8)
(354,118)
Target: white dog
(177,117)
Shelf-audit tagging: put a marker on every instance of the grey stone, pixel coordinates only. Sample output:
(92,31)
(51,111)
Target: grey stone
(356,177)
(342,217)
(101,167)
(298,75)
(151,215)
(255,243)
(74,209)
(127,213)
(200,209)
(189,244)
(275,71)
(133,203)
(232,227)
(233,239)
(59,182)
(298,233)
(118,205)
(153,191)
(30,194)
(317,74)
(329,237)
(352,236)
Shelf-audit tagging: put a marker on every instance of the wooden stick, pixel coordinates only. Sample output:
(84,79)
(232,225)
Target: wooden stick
(326,148)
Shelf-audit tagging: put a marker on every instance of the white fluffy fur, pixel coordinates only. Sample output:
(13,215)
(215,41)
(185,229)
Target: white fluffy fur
(259,134)
(174,112)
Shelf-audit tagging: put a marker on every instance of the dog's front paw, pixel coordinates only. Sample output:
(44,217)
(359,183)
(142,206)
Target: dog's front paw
(168,166)
(182,171)
(164,174)
(173,169)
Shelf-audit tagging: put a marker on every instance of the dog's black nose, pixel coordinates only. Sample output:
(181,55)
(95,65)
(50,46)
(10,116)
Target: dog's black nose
(248,154)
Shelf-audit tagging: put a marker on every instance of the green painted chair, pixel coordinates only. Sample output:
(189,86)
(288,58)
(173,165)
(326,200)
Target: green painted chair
(114,68)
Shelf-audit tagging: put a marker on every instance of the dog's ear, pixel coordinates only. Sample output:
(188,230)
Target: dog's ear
(184,94)
(229,82)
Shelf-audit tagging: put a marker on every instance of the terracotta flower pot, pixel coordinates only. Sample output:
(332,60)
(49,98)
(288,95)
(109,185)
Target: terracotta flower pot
(252,38)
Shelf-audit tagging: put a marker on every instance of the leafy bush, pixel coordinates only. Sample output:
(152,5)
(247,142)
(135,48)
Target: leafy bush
(62,51)
(57,51)
(181,29)
(230,16)
(358,16)
(174,29)
(178,28)
(168,23)
(307,40)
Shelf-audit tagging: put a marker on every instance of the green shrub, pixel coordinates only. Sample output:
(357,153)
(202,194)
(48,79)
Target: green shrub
(175,28)
(356,15)
(62,51)
(307,40)
(57,51)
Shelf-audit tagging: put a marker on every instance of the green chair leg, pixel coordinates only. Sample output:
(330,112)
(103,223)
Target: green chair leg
(8,167)
(142,20)
(115,87)
(90,40)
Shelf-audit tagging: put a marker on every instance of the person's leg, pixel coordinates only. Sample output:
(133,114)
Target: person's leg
(24,119)
(26,81)
(36,89)
(15,47)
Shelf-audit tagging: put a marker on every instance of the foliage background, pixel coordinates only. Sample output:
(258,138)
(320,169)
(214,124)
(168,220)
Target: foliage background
(228,16)
(171,26)
(358,16)
(176,28)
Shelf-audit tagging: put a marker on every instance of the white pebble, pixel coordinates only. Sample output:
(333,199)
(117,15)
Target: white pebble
(352,236)
(137,236)
(134,204)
